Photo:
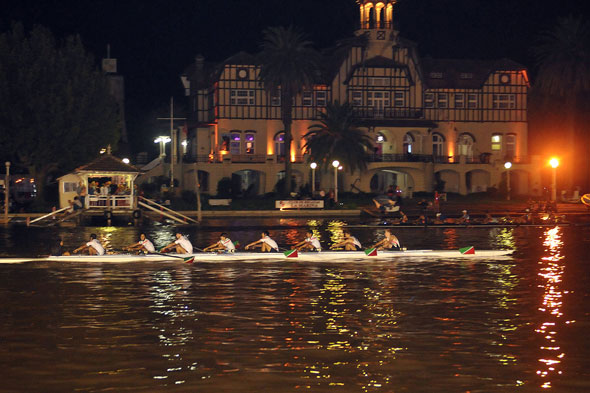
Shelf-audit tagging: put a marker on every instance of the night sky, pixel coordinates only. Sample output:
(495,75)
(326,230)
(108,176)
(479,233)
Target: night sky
(154,41)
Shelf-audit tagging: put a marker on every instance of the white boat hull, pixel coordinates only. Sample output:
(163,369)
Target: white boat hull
(324,256)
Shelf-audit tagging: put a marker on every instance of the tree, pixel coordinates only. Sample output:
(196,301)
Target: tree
(337,138)
(563,61)
(288,65)
(55,108)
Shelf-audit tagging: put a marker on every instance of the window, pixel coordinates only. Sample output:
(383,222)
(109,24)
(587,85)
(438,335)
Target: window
(275,98)
(437,144)
(428,100)
(249,142)
(357,98)
(436,75)
(70,186)
(459,100)
(235,142)
(242,97)
(378,100)
(471,100)
(399,98)
(321,98)
(465,144)
(307,98)
(443,100)
(379,81)
(466,75)
(496,142)
(408,142)
(510,146)
(280,144)
(503,101)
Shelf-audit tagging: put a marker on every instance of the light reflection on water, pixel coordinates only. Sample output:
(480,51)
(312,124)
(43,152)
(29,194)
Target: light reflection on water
(413,325)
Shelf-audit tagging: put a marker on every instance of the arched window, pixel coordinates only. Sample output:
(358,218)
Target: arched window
(408,143)
(379,141)
(465,145)
(250,142)
(438,144)
(235,142)
(280,144)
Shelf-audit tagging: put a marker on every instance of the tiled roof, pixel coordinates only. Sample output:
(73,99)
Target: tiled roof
(463,74)
(108,163)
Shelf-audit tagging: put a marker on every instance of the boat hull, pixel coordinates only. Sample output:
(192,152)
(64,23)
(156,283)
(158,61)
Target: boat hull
(324,256)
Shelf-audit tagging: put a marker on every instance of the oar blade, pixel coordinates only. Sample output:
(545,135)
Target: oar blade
(371,252)
(188,259)
(291,253)
(467,250)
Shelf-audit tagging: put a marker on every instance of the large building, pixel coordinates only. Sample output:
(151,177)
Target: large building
(441,123)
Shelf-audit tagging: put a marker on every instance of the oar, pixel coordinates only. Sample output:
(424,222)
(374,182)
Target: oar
(185,259)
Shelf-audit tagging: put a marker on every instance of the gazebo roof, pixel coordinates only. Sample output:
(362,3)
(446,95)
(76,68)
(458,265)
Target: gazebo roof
(108,163)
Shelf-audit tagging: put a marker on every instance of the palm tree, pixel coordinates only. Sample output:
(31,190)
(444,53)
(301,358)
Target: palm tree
(289,65)
(337,138)
(563,61)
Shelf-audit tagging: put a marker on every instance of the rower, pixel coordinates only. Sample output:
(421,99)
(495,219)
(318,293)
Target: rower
(265,243)
(464,219)
(182,245)
(223,245)
(144,244)
(350,243)
(58,250)
(311,242)
(389,242)
(93,247)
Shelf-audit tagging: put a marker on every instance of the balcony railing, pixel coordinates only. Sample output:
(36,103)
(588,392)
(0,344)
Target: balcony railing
(110,202)
(399,158)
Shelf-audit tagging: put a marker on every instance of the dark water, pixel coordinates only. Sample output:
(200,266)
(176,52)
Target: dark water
(381,326)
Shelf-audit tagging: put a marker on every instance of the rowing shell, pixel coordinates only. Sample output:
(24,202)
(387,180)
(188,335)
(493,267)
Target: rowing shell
(324,256)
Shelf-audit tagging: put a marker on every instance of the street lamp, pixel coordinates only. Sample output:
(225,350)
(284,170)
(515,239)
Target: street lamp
(554,163)
(336,164)
(162,140)
(313,166)
(508,165)
(6,190)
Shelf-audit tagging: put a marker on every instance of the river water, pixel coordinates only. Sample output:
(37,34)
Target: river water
(362,326)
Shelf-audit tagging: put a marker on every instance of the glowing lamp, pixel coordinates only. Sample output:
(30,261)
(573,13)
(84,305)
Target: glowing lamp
(508,165)
(554,162)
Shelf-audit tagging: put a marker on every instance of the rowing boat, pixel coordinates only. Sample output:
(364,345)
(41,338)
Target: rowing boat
(324,256)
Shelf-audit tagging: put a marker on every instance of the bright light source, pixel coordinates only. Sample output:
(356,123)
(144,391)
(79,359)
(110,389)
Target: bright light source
(313,165)
(340,168)
(184,143)
(554,162)
(102,151)
(335,163)
(508,165)
(163,139)
(126,160)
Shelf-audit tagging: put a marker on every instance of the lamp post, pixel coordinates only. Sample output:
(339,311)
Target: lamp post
(508,165)
(336,164)
(6,190)
(554,163)
(313,166)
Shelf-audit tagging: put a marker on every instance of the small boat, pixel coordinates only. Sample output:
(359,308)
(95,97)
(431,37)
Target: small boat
(323,256)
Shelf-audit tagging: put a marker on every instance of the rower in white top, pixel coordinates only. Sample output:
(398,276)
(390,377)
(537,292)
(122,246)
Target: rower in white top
(389,242)
(350,243)
(265,243)
(182,245)
(93,247)
(144,244)
(311,242)
(223,245)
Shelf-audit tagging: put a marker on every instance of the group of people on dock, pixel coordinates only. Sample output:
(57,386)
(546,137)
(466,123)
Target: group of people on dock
(266,244)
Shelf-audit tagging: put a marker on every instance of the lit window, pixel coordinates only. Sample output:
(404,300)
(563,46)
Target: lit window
(459,100)
(408,142)
(307,98)
(357,98)
(235,142)
(242,97)
(496,142)
(321,98)
(429,100)
(472,101)
(249,142)
(504,101)
(442,101)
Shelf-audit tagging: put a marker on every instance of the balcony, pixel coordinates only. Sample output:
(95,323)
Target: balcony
(399,158)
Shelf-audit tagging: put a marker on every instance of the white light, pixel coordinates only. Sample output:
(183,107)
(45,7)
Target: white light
(313,165)
(340,168)
(335,163)
(508,165)
(163,139)
(184,143)
(126,160)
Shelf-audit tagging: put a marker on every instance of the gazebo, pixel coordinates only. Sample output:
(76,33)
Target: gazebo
(109,183)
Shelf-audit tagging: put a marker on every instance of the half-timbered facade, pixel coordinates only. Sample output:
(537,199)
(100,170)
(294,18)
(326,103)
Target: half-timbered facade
(451,123)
